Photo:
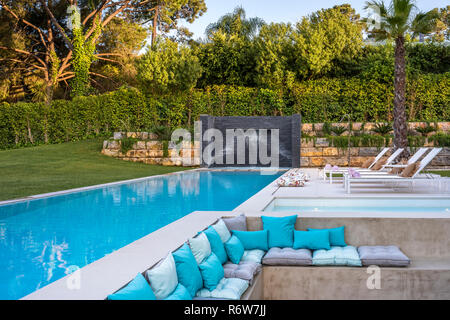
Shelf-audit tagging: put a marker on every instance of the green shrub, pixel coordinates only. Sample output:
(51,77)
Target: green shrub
(440,139)
(128,109)
(424,131)
(382,128)
(127,143)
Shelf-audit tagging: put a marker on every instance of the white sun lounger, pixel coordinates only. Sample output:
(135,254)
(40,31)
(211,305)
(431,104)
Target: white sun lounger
(368,170)
(387,178)
(419,153)
(341,170)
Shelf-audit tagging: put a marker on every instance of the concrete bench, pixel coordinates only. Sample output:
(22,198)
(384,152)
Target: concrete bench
(424,241)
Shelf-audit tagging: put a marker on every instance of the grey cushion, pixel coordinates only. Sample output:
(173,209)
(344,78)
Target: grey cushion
(383,256)
(244,270)
(288,257)
(238,223)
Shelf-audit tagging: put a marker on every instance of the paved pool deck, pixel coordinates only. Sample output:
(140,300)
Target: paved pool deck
(319,188)
(115,270)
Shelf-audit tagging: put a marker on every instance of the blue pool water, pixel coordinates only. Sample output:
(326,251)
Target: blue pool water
(358,205)
(41,239)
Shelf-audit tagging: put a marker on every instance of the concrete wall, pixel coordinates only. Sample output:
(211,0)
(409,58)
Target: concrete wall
(330,283)
(289,128)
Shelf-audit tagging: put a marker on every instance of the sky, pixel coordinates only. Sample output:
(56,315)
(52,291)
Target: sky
(282,10)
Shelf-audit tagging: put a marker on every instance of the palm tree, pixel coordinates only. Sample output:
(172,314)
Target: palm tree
(395,22)
(236,23)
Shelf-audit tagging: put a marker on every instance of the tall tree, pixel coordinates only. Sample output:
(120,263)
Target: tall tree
(236,23)
(275,56)
(164,15)
(395,22)
(324,37)
(60,45)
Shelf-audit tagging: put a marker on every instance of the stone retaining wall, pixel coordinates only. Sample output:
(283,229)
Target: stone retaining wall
(316,153)
(151,151)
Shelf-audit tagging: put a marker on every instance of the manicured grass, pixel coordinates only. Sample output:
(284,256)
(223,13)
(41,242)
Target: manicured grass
(49,168)
(441,173)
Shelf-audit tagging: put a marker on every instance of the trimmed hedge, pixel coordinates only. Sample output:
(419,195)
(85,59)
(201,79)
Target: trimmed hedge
(127,109)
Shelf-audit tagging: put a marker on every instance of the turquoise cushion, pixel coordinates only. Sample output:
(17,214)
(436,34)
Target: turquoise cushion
(254,255)
(253,239)
(281,230)
(187,270)
(235,249)
(180,293)
(216,243)
(163,278)
(313,240)
(200,247)
(323,257)
(340,256)
(137,289)
(222,230)
(347,256)
(337,236)
(212,271)
(228,288)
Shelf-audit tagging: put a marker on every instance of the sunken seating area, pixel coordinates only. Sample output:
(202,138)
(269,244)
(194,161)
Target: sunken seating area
(254,257)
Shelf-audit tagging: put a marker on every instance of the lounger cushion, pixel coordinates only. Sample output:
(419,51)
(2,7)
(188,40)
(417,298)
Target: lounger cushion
(244,270)
(337,256)
(212,271)
(380,164)
(288,257)
(163,278)
(281,230)
(410,169)
(187,270)
(180,293)
(235,249)
(254,255)
(137,289)
(222,229)
(200,246)
(236,223)
(253,239)
(383,256)
(337,236)
(216,243)
(313,240)
(228,288)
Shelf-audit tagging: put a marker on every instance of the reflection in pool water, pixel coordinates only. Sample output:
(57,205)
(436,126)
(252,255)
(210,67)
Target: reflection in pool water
(41,240)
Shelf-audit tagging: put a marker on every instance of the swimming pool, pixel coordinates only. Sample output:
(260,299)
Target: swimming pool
(358,205)
(41,240)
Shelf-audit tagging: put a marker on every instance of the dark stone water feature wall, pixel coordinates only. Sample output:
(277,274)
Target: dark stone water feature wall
(289,137)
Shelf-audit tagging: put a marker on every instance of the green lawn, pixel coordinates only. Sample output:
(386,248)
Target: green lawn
(445,173)
(50,168)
